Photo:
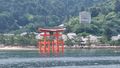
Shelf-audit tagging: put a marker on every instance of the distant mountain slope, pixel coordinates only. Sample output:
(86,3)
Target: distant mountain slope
(29,14)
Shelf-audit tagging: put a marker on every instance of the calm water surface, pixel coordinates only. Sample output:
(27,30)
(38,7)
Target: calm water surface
(72,58)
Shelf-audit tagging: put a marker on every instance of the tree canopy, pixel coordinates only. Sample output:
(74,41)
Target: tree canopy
(27,15)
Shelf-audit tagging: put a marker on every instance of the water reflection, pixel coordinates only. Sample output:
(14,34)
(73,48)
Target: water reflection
(75,58)
(55,53)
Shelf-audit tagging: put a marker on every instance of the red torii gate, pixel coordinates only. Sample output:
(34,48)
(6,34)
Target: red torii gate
(55,44)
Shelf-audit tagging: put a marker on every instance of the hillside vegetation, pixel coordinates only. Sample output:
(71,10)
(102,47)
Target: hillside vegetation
(105,21)
(28,15)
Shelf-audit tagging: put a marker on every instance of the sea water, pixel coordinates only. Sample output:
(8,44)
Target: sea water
(72,58)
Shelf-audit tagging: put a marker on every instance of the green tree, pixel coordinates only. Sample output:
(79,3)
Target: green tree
(117,6)
(94,12)
(2,39)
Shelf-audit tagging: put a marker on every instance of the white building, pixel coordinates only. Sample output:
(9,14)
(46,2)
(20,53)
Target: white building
(93,39)
(64,37)
(24,33)
(8,34)
(85,17)
(115,38)
(38,36)
(84,40)
(71,35)
(62,25)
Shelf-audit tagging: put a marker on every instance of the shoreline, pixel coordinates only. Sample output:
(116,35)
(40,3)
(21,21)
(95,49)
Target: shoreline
(93,47)
(66,47)
(17,48)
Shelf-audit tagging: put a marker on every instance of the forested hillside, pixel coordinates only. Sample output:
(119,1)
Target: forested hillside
(105,20)
(27,15)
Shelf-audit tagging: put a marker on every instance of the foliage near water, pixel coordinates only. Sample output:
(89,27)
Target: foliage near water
(17,40)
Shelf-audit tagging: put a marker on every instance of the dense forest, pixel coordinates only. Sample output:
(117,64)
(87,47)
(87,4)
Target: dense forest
(105,21)
(28,15)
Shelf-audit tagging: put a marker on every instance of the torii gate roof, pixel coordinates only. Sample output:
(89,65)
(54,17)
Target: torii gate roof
(51,29)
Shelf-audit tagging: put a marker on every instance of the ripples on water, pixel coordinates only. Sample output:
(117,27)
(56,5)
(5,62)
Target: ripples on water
(84,58)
